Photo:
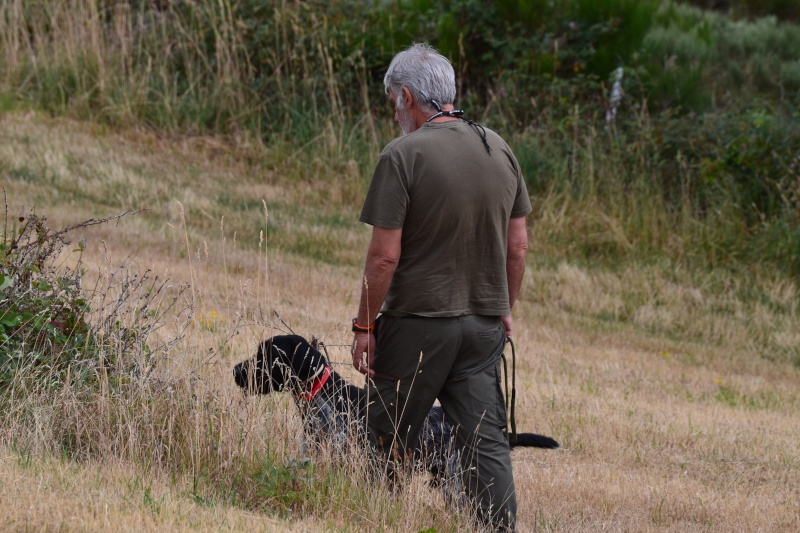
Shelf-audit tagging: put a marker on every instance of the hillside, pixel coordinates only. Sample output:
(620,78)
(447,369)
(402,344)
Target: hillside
(673,393)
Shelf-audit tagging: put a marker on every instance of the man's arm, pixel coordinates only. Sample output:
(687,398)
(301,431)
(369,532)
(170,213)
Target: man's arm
(383,256)
(515,263)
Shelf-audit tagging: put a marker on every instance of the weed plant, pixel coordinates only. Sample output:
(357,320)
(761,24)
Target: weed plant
(47,339)
(44,334)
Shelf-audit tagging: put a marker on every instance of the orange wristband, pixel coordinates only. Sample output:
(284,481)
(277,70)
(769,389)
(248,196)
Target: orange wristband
(362,329)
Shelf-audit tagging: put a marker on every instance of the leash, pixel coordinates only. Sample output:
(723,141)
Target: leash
(511,401)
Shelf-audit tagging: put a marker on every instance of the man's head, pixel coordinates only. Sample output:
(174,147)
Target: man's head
(426,75)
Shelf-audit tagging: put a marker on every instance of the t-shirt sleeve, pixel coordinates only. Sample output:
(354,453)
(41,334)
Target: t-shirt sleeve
(387,199)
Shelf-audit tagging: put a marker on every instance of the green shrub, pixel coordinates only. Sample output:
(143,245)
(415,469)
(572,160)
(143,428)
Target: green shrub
(56,332)
(44,333)
(728,62)
(782,9)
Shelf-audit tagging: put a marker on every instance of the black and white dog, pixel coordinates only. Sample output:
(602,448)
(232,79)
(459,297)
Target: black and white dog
(334,411)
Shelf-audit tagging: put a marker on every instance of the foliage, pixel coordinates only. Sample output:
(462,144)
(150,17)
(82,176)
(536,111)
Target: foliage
(722,187)
(44,333)
(56,332)
(287,486)
(285,68)
(515,49)
(782,9)
(700,60)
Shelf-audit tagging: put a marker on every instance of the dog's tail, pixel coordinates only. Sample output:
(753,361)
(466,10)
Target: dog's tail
(531,440)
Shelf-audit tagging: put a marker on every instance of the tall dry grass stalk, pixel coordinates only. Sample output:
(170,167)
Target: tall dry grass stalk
(181,66)
(124,61)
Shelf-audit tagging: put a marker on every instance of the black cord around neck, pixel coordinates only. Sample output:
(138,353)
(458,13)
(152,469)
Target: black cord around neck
(457,113)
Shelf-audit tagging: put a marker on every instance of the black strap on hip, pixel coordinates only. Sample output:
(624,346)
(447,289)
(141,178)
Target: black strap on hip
(511,400)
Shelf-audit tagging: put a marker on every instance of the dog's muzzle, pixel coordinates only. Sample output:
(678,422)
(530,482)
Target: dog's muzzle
(240,375)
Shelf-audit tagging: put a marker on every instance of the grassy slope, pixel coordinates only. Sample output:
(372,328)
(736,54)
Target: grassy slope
(672,392)
(53,495)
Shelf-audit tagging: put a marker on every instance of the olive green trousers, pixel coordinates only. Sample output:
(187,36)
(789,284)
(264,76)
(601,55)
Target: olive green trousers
(457,361)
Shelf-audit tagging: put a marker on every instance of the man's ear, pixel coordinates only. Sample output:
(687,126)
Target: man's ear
(408,98)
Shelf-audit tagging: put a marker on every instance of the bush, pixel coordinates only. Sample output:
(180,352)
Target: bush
(782,9)
(44,333)
(699,60)
(50,335)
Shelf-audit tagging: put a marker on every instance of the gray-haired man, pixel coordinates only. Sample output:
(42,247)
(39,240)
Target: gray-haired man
(447,204)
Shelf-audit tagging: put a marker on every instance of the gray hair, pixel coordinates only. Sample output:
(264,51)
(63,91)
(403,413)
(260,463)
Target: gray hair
(426,73)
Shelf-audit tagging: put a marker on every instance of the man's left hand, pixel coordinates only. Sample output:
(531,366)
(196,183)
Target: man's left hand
(363,353)
(508,323)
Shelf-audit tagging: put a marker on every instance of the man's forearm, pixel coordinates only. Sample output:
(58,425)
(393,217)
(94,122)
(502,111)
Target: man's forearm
(515,258)
(383,255)
(515,270)
(378,275)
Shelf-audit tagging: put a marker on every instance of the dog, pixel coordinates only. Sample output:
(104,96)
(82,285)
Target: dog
(333,411)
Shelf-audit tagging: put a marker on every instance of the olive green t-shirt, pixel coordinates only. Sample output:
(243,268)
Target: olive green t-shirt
(453,201)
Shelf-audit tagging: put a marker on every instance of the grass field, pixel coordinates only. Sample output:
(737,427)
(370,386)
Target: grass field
(674,393)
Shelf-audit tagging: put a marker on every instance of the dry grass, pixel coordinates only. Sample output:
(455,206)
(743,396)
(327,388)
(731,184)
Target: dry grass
(47,494)
(673,393)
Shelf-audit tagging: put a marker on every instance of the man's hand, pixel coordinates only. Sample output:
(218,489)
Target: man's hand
(364,344)
(508,323)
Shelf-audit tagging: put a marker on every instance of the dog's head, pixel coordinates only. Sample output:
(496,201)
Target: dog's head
(284,362)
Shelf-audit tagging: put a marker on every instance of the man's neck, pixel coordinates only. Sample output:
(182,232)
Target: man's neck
(443,118)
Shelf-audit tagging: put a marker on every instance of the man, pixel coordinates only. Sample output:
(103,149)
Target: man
(447,204)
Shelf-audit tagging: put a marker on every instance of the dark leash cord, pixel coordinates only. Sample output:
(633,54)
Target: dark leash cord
(511,400)
(457,113)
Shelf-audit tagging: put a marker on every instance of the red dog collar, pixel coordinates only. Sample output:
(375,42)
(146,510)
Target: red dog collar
(315,386)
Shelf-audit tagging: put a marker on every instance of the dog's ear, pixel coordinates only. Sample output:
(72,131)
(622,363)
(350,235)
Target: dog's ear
(306,362)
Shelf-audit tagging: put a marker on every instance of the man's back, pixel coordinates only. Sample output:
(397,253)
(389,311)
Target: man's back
(453,201)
